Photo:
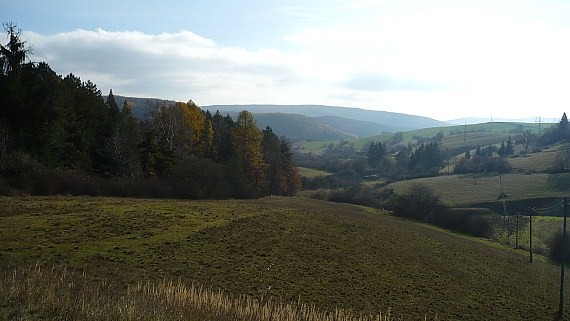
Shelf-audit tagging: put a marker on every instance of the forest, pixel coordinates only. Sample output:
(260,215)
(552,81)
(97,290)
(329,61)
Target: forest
(59,135)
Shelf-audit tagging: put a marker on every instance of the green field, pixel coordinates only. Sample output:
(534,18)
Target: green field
(290,249)
(536,161)
(311,173)
(543,230)
(484,134)
(459,190)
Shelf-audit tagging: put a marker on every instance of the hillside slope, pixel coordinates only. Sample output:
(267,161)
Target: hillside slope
(291,249)
(303,125)
(294,126)
(389,121)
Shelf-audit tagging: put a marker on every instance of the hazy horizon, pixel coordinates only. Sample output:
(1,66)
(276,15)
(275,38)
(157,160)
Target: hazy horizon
(439,59)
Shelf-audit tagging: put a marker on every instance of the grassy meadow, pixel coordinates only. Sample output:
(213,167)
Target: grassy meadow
(332,256)
(536,161)
(461,190)
(483,134)
(311,173)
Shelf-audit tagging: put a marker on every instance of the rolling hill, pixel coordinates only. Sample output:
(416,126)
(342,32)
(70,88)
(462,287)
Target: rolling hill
(387,121)
(283,249)
(299,127)
(304,122)
(142,108)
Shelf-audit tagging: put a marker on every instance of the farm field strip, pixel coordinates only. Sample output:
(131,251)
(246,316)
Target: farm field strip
(469,189)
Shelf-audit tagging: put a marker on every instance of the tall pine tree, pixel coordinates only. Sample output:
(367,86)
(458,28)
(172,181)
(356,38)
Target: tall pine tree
(247,146)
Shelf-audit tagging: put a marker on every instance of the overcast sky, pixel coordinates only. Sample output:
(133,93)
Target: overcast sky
(441,59)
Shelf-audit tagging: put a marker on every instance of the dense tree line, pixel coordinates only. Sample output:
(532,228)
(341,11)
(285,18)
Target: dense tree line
(420,203)
(485,161)
(559,132)
(61,128)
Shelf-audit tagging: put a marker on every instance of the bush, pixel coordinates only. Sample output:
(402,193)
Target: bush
(19,169)
(419,204)
(463,222)
(555,248)
(483,164)
(359,195)
(5,189)
(423,204)
(190,179)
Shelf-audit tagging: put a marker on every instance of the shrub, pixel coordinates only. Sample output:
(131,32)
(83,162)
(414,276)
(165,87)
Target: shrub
(463,222)
(424,204)
(555,246)
(359,195)
(19,169)
(419,204)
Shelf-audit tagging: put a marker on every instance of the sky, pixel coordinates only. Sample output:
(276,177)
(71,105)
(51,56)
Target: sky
(440,59)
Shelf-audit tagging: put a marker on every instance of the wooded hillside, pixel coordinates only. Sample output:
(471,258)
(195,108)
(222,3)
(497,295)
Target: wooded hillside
(59,135)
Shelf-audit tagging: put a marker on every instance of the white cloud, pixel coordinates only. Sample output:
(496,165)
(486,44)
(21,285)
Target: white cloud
(439,61)
(472,60)
(178,66)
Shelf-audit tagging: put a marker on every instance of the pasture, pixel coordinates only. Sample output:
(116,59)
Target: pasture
(311,173)
(285,249)
(463,190)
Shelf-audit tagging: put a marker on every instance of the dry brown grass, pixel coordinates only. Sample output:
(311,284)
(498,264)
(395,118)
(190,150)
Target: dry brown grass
(40,294)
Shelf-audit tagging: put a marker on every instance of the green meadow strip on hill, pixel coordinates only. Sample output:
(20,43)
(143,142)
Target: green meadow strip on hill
(333,256)
(472,189)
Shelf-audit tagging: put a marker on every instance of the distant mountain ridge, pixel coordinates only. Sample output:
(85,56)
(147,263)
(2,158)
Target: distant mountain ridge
(142,108)
(304,122)
(388,121)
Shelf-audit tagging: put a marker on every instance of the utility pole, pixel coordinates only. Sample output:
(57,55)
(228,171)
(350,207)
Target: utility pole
(506,217)
(465,133)
(530,230)
(517,231)
(563,258)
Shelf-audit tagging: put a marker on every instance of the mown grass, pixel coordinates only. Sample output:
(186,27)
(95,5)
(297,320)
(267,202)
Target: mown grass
(538,161)
(473,139)
(476,134)
(459,190)
(311,173)
(483,134)
(543,230)
(334,256)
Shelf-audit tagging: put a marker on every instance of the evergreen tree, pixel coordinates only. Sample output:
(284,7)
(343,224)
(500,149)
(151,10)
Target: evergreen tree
(376,153)
(121,147)
(282,174)
(14,54)
(509,148)
(12,105)
(222,140)
(247,145)
(426,157)
(113,108)
(156,158)
(563,124)
(502,150)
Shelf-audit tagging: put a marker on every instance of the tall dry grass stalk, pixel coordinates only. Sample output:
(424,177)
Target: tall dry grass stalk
(40,294)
